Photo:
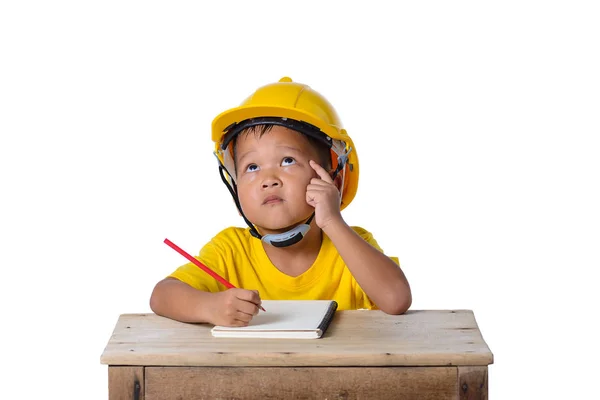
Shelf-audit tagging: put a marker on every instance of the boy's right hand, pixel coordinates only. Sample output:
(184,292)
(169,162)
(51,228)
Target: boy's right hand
(234,307)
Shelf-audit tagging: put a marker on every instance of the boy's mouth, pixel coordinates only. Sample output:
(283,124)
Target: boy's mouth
(272,200)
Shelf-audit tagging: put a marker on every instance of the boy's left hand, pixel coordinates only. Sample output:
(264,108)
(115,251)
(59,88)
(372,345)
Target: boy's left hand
(324,196)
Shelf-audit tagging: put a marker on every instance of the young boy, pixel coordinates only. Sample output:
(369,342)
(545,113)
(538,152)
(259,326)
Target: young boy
(291,169)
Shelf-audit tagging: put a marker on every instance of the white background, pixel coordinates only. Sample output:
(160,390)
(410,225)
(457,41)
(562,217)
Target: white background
(476,125)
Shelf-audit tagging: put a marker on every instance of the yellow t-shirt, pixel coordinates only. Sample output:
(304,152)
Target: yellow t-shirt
(241,259)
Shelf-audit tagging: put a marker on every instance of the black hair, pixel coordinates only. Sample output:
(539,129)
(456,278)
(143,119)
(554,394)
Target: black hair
(323,151)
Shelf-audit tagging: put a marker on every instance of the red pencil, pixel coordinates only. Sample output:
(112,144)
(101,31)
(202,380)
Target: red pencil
(202,266)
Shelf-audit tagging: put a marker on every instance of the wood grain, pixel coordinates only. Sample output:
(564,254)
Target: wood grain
(354,338)
(191,383)
(126,383)
(473,383)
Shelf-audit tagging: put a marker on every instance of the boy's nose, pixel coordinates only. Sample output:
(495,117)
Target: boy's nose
(270,182)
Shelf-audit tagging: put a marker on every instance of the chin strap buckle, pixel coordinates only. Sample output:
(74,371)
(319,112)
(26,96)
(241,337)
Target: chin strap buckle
(287,238)
(342,160)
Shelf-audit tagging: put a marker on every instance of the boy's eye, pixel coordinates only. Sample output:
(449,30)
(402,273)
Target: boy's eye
(251,168)
(288,161)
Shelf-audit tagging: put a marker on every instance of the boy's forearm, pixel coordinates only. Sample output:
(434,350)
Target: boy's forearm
(177,300)
(380,277)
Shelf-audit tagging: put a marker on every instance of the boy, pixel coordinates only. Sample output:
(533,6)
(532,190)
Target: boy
(291,169)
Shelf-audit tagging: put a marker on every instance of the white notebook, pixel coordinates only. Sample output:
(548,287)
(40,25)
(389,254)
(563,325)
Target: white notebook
(285,319)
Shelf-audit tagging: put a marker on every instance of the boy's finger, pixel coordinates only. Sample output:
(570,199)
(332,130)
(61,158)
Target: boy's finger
(259,303)
(248,295)
(321,171)
(251,296)
(239,322)
(318,187)
(247,308)
(256,297)
(321,182)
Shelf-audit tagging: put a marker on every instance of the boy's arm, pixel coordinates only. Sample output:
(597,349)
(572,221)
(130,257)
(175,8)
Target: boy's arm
(380,277)
(177,300)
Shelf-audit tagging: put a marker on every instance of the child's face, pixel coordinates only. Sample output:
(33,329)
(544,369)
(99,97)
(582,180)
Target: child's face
(272,175)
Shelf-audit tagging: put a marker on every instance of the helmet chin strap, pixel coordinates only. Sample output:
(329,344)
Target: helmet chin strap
(287,238)
(290,237)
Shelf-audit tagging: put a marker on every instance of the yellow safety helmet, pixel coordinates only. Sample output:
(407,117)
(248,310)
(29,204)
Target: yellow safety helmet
(298,107)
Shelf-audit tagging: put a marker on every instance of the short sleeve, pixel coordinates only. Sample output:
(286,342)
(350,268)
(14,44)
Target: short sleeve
(211,256)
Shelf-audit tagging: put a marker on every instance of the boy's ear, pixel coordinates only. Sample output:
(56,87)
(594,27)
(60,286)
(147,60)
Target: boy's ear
(338,182)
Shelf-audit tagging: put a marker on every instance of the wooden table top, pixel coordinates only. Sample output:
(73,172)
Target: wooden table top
(354,338)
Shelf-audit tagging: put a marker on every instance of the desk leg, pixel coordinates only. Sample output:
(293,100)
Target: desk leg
(125,383)
(472,383)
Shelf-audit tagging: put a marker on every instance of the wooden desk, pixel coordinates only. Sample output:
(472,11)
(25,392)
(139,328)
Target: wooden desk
(364,354)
